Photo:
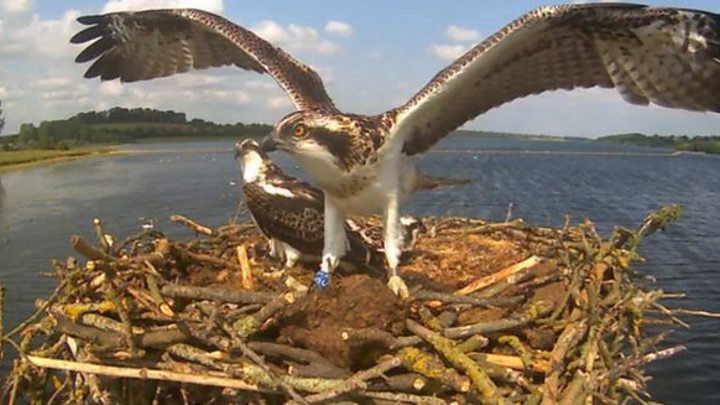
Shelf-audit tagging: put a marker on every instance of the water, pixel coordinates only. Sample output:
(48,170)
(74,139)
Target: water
(41,207)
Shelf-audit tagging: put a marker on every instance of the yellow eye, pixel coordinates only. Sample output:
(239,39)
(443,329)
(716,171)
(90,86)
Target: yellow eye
(300,131)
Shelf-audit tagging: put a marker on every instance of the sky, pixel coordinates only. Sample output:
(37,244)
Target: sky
(372,55)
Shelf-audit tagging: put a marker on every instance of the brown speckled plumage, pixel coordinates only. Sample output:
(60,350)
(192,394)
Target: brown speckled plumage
(626,46)
(145,45)
(666,56)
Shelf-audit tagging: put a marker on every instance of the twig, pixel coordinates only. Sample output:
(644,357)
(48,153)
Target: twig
(328,370)
(100,234)
(535,311)
(182,220)
(568,339)
(499,275)
(485,387)
(430,366)
(85,249)
(217,294)
(143,373)
(357,381)
(399,398)
(245,271)
(53,296)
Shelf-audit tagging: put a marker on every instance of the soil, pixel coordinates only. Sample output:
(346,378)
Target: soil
(356,301)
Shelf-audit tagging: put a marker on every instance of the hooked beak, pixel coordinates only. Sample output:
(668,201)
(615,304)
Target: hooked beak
(268,144)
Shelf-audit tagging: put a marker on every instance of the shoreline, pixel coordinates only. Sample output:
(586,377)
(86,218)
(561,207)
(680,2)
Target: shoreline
(10,167)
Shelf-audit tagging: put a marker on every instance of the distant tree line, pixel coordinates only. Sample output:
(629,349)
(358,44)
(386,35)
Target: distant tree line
(708,144)
(2,118)
(122,125)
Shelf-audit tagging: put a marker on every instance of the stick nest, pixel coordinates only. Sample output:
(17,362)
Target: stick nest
(499,313)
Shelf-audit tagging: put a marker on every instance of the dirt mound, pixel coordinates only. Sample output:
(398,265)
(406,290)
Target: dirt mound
(357,301)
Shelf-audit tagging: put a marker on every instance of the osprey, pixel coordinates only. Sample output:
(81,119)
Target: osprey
(289,213)
(363,163)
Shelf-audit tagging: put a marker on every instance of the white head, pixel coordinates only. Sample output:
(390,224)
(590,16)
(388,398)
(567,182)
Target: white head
(253,162)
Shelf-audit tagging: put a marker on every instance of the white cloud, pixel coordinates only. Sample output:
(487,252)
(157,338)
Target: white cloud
(17,6)
(462,34)
(448,52)
(38,38)
(112,88)
(295,37)
(279,102)
(214,6)
(52,83)
(338,27)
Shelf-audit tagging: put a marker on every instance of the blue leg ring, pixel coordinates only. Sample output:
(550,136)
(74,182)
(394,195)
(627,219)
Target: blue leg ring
(322,279)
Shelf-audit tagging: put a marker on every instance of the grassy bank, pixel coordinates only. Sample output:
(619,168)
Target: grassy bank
(24,158)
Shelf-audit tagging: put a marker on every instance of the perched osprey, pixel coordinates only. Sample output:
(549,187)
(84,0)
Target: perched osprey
(290,213)
(665,56)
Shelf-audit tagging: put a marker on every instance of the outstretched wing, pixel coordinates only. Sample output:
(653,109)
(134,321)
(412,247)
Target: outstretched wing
(144,45)
(665,56)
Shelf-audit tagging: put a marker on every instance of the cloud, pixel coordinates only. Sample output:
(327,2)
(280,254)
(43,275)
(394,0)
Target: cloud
(339,28)
(17,6)
(448,52)
(279,102)
(40,39)
(295,37)
(461,34)
(112,88)
(214,6)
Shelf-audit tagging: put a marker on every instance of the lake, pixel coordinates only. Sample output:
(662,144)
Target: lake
(41,207)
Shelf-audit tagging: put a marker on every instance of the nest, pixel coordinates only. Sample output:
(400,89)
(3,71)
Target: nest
(499,312)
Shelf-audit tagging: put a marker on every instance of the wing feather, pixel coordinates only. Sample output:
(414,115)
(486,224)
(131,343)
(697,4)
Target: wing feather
(666,56)
(298,220)
(149,44)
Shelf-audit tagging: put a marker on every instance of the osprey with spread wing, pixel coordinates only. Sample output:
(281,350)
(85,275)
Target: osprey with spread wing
(363,163)
(289,213)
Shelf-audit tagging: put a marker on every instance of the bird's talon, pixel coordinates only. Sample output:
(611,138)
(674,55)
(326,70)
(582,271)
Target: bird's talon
(322,279)
(398,287)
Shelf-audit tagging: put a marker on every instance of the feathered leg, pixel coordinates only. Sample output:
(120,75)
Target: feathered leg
(392,247)
(335,241)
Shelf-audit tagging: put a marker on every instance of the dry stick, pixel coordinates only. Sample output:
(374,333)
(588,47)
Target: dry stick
(499,275)
(425,295)
(410,382)
(217,294)
(246,272)
(53,296)
(180,219)
(430,366)
(399,398)
(695,312)
(85,249)
(374,335)
(536,310)
(511,362)
(142,373)
(484,385)
(357,381)
(567,340)
(100,234)
(237,341)
(113,297)
(310,357)
(640,360)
